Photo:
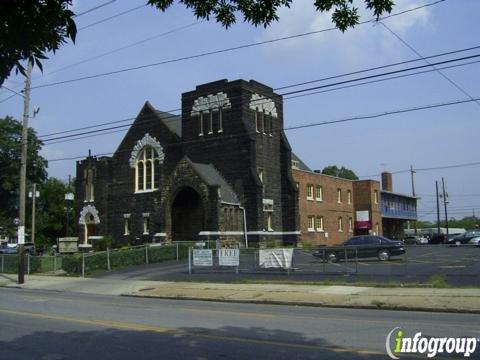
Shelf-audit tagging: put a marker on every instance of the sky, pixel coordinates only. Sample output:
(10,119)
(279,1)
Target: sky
(443,137)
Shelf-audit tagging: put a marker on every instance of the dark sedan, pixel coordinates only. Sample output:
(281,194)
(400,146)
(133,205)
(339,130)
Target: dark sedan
(368,246)
(464,238)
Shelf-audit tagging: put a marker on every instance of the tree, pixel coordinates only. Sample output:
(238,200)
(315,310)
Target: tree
(52,208)
(343,172)
(10,155)
(31,28)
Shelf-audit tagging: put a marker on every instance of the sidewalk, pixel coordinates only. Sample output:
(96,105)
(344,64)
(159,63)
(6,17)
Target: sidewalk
(424,299)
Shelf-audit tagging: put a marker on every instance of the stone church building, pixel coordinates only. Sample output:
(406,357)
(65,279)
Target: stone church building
(221,167)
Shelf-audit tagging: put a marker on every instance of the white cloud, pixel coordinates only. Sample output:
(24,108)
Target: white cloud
(355,45)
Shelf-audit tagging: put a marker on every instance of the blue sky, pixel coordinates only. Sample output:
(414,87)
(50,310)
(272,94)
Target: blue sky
(423,139)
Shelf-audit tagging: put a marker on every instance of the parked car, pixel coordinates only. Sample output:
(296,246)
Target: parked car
(416,240)
(368,246)
(4,249)
(474,241)
(464,238)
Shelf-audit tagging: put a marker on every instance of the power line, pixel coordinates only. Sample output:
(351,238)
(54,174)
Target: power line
(458,87)
(112,17)
(309,89)
(209,53)
(125,47)
(94,8)
(349,119)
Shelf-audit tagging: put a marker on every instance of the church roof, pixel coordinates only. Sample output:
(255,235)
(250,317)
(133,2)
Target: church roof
(212,177)
(173,122)
(301,164)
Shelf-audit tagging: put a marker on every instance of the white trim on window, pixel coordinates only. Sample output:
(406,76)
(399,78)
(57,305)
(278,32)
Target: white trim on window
(309,191)
(311,223)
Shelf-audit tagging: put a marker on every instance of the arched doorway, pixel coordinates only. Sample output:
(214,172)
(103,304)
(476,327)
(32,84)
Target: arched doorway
(187,215)
(90,227)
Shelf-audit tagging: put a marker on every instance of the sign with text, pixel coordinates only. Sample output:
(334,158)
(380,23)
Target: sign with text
(229,257)
(202,257)
(275,258)
(21,234)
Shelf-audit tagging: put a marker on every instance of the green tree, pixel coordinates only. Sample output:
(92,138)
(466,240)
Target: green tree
(10,155)
(31,28)
(52,212)
(342,172)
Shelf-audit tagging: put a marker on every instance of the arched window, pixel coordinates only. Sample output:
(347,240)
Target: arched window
(147,170)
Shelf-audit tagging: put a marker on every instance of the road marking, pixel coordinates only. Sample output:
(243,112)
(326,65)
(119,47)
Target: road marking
(452,267)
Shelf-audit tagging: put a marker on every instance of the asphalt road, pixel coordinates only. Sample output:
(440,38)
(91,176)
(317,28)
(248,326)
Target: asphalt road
(54,326)
(458,266)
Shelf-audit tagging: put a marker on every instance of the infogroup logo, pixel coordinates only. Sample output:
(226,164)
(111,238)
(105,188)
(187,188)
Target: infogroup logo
(397,344)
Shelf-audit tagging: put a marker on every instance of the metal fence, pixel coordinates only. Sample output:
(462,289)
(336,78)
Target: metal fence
(417,261)
(86,263)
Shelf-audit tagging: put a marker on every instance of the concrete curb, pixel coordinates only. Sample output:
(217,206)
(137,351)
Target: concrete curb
(309,304)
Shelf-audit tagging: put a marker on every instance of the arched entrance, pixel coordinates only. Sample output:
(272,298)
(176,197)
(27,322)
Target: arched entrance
(187,215)
(90,227)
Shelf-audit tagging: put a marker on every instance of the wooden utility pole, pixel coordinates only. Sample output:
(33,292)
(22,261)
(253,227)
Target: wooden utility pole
(445,202)
(412,172)
(23,170)
(438,209)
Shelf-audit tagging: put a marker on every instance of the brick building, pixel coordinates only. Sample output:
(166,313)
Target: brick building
(197,175)
(334,209)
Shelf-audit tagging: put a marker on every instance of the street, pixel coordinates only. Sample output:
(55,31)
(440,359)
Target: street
(39,324)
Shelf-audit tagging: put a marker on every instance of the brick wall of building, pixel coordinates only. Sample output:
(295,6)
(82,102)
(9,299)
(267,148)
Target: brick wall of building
(366,197)
(327,207)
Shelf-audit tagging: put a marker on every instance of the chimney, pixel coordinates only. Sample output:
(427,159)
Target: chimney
(387,183)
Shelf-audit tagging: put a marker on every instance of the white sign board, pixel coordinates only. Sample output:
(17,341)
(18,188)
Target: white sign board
(363,215)
(275,258)
(21,234)
(229,257)
(202,257)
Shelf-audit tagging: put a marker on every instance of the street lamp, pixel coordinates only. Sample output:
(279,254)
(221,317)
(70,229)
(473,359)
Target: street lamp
(68,197)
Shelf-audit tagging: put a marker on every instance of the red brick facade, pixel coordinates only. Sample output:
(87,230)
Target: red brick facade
(334,207)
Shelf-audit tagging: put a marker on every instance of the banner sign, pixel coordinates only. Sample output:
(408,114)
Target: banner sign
(21,234)
(229,257)
(202,257)
(363,220)
(275,258)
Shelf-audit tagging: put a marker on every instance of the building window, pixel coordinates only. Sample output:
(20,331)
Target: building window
(262,122)
(261,175)
(270,126)
(319,224)
(269,222)
(220,121)
(295,164)
(257,120)
(311,223)
(340,224)
(200,124)
(126,222)
(297,184)
(339,196)
(146,224)
(210,122)
(350,224)
(89,187)
(349,196)
(309,192)
(319,193)
(375,197)
(147,170)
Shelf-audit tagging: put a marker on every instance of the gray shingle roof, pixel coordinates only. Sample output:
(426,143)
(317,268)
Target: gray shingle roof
(173,122)
(301,164)
(212,177)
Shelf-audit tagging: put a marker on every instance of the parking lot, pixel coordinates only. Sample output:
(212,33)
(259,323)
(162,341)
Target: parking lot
(458,266)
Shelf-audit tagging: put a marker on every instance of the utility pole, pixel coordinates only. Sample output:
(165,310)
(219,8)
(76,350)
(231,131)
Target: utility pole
(23,171)
(438,209)
(445,202)
(412,172)
(34,196)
